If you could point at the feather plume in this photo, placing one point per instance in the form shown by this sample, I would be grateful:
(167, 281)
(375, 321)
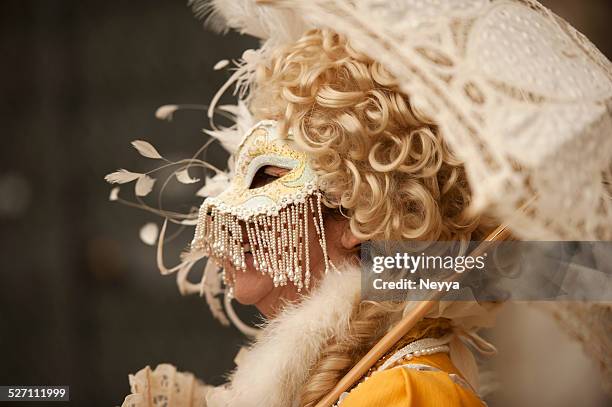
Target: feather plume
(205, 10)
(144, 185)
(165, 112)
(183, 177)
(248, 17)
(122, 177)
(230, 137)
(214, 186)
(146, 149)
(221, 64)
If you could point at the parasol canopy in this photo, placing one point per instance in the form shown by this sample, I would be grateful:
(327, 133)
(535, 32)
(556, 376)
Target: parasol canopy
(522, 97)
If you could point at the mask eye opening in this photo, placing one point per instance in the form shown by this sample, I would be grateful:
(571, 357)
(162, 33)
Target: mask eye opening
(267, 174)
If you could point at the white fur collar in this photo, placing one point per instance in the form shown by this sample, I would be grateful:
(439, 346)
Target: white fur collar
(272, 372)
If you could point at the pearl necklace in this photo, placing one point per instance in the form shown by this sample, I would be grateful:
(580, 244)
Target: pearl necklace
(422, 347)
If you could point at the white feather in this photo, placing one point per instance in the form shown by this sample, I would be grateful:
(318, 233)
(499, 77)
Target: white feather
(248, 17)
(165, 112)
(214, 186)
(146, 149)
(183, 177)
(144, 185)
(122, 176)
(221, 64)
(229, 137)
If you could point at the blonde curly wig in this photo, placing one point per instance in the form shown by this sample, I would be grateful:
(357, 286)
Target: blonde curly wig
(380, 160)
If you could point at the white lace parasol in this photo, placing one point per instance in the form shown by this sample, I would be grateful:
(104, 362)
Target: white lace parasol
(520, 95)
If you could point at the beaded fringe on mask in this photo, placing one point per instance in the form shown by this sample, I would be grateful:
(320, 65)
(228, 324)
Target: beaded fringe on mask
(279, 242)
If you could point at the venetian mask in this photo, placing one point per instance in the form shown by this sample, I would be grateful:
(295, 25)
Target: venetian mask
(270, 221)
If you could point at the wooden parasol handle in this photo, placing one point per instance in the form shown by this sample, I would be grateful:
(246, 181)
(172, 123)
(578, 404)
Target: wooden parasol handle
(401, 329)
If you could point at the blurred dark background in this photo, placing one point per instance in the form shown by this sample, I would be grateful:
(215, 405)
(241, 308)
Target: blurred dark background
(81, 301)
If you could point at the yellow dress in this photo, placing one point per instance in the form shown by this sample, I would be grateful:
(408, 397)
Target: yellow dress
(440, 385)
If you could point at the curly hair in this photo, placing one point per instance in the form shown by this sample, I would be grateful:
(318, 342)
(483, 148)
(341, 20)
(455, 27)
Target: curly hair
(380, 160)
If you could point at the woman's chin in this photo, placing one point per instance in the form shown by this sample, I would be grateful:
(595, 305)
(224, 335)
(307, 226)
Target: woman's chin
(250, 286)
